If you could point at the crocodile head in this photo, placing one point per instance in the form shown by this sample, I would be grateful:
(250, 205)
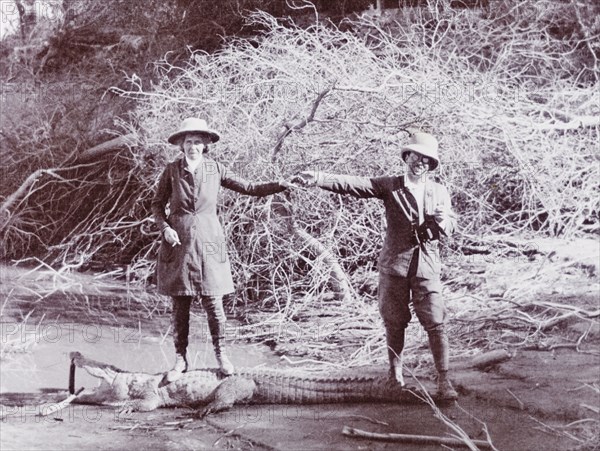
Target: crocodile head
(116, 386)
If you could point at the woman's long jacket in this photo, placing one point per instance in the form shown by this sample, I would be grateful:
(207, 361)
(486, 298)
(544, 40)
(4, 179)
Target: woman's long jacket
(199, 265)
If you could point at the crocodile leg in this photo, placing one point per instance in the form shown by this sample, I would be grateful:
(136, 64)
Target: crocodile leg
(233, 390)
(146, 404)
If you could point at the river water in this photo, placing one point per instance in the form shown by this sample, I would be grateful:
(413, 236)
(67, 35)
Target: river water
(37, 358)
(45, 315)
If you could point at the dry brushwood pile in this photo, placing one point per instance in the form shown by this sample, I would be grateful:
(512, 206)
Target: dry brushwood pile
(509, 92)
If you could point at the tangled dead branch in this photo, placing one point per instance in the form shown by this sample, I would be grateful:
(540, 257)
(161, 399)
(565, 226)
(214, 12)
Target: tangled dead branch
(325, 99)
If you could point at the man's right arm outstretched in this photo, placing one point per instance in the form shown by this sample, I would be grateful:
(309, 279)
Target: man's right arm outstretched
(363, 187)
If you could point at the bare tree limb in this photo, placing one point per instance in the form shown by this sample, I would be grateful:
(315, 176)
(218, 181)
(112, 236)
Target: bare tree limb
(574, 124)
(86, 156)
(409, 438)
(588, 38)
(101, 149)
(26, 186)
(289, 128)
(338, 277)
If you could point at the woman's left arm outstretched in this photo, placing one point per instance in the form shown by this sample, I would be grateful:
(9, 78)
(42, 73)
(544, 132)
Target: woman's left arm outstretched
(236, 183)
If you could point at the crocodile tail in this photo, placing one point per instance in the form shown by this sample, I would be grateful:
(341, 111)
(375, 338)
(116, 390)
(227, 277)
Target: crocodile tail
(282, 388)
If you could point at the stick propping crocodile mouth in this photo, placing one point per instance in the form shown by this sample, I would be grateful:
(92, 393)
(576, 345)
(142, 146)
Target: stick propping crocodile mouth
(95, 368)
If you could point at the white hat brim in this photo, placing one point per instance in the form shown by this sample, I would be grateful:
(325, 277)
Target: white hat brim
(214, 136)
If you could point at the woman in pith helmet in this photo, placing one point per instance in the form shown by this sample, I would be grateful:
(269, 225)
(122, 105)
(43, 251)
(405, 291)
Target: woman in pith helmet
(192, 259)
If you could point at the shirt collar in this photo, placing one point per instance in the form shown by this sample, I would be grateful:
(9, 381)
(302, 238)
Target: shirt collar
(191, 165)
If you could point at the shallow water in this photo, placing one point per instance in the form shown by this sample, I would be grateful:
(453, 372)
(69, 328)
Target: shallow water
(44, 362)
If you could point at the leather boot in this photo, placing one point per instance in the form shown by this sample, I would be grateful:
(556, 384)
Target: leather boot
(396, 368)
(438, 342)
(225, 365)
(181, 329)
(216, 325)
(395, 344)
(445, 390)
(180, 367)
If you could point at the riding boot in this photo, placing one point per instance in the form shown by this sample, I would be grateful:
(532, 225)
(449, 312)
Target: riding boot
(181, 329)
(438, 342)
(395, 344)
(213, 305)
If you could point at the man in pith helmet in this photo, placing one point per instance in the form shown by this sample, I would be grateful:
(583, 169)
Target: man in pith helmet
(418, 213)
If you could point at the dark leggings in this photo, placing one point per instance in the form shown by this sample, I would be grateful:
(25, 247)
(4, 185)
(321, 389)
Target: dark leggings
(213, 305)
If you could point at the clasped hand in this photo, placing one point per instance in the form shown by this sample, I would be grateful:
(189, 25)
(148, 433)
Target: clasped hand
(305, 179)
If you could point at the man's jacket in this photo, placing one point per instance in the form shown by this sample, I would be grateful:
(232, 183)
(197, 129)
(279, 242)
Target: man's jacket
(399, 248)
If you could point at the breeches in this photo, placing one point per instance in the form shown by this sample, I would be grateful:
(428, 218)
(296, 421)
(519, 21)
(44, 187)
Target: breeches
(396, 294)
